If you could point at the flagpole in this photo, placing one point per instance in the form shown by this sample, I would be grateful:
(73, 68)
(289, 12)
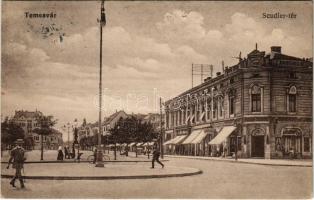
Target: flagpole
(99, 160)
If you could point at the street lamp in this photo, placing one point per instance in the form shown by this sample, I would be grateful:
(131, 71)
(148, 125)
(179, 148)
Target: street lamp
(99, 161)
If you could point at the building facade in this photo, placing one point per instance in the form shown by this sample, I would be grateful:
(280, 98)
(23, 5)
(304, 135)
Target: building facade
(260, 107)
(28, 122)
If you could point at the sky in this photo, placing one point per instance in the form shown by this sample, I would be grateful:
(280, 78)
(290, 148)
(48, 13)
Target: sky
(148, 50)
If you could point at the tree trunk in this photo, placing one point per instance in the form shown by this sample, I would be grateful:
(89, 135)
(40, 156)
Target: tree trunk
(41, 148)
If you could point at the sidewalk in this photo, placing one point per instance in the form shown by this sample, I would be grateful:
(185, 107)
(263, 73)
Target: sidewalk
(86, 171)
(274, 162)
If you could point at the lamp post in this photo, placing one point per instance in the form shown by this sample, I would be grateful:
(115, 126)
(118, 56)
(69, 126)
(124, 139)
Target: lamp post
(99, 161)
(75, 137)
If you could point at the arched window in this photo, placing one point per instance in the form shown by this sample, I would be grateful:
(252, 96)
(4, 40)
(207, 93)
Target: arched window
(292, 99)
(256, 99)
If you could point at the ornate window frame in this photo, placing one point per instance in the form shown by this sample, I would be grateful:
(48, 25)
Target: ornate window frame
(254, 87)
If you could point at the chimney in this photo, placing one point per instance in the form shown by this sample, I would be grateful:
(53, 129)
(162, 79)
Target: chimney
(223, 66)
(218, 73)
(275, 49)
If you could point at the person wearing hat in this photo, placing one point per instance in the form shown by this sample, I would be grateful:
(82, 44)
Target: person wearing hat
(18, 158)
(156, 155)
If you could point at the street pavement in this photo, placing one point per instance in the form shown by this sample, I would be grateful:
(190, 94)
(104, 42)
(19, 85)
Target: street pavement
(280, 162)
(219, 180)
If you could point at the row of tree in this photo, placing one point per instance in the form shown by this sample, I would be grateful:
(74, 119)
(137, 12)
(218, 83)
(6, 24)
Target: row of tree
(10, 132)
(126, 130)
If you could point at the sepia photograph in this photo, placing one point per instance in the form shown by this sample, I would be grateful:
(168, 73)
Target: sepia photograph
(156, 99)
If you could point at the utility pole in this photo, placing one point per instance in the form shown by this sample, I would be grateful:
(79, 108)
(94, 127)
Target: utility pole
(99, 160)
(161, 132)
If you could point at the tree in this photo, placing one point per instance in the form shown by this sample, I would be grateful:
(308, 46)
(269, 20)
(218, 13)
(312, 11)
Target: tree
(29, 142)
(45, 128)
(10, 132)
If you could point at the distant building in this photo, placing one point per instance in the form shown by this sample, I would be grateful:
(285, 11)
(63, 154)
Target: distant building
(263, 104)
(91, 129)
(110, 122)
(154, 119)
(28, 122)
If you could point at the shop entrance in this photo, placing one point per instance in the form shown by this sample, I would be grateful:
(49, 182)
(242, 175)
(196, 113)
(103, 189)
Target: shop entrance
(258, 146)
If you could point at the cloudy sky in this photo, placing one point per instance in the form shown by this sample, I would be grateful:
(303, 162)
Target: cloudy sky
(148, 49)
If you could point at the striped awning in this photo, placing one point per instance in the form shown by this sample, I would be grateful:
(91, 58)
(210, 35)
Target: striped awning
(199, 137)
(179, 139)
(169, 141)
(191, 137)
(222, 135)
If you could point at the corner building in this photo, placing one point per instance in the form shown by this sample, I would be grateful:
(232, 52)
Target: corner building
(260, 107)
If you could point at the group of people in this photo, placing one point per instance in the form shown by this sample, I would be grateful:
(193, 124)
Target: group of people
(17, 159)
(68, 153)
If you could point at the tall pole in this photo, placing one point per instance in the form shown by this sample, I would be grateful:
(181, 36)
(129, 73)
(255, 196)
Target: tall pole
(161, 133)
(99, 161)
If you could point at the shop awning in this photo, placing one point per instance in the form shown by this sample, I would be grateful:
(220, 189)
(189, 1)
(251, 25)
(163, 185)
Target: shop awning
(139, 144)
(132, 144)
(222, 135)
(191, 137)
(199, 138)
(179, 139)
(169, 141)
(150, 143)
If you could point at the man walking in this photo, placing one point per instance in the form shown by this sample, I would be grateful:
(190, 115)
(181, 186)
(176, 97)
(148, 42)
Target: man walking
(18, 158)
(156, 155)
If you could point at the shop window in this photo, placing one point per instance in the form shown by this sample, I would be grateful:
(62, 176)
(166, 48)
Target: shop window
(239, 143)
(306, 144)
(278, 144)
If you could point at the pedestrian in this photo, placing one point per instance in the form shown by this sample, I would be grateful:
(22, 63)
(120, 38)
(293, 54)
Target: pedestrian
(73, 151)
(95, 155)
(156, 155)
(66, 152)
(17, 157)
(60, 153)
